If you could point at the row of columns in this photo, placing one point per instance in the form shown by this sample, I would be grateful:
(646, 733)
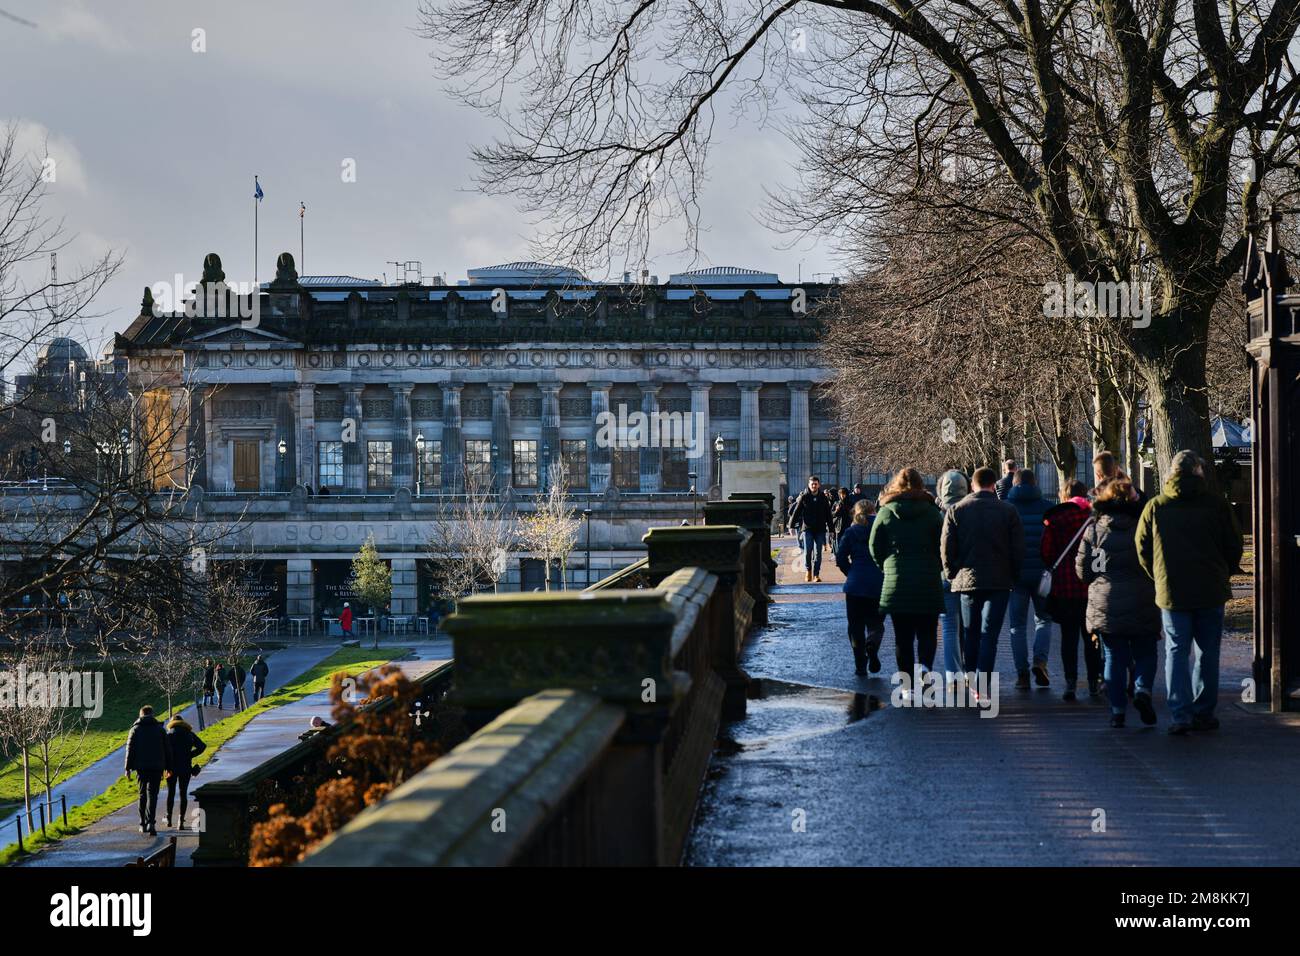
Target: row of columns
(295, 425)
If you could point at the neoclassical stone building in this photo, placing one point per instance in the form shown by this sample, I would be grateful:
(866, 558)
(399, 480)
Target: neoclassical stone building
(335, 407)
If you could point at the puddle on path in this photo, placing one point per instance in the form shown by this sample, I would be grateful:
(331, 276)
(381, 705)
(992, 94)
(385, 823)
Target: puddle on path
(780, 712)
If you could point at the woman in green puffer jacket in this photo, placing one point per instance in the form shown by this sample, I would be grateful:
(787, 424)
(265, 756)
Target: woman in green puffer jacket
(905, 544)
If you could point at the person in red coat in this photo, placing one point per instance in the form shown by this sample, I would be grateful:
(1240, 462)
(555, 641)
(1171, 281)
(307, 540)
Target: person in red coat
(345, 620)
(1068, 602)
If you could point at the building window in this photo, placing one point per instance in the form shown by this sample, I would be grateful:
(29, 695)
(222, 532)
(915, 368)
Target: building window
(329, 464)
(573, 452)
(431, 466)
(478, 463)
(676, 468)
(825, 461)
(379, 465)
(775, 449)
(731, 449)
(626, 468)
(523, 464)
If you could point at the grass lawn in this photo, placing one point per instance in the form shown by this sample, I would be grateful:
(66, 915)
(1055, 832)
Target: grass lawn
(354, 660)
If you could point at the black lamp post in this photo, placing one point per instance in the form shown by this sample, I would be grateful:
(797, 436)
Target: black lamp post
(282, 448)
(419, 464)
(694, 509)
(586, 516)
(718, 446)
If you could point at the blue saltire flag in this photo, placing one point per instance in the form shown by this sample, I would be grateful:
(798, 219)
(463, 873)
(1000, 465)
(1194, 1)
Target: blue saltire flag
(257, 189)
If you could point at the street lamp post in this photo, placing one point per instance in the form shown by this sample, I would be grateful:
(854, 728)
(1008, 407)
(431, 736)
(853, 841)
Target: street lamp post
(419, 464)
(694, 504)
(586, 516)
(718, 446)
(282, 448)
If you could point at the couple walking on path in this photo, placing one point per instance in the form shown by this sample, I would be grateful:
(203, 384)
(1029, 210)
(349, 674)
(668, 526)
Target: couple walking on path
(1112, 572)
(151, 753)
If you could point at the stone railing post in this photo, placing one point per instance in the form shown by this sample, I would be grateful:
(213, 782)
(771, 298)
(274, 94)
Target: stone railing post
(614, 644)
(720, 550)
(754, 517)
(769, 502)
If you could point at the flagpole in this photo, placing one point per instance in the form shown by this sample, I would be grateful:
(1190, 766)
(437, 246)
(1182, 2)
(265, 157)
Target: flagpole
(255, 205)
(302, 255)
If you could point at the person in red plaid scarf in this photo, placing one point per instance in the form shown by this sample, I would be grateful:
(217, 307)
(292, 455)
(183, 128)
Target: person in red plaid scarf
(1068, 602)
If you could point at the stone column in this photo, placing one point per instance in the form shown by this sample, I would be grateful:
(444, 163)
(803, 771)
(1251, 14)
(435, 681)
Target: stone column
(307, 436)
(405, 596)
(300, 590)
(550, 450)
(749, 446)
(799, 463)
(599, 455)
(403, 460)
(453, 447)
(651, 453)
(354, 451)
(286, 430)
(501, 449)
(703, 465)
(197, 429)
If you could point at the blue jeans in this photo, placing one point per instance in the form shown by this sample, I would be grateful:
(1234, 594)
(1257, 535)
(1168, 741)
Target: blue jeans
(1120, 653)
(951, 629)
(812, 543)
(982, 613)
(1018, 609)
(1194, 691)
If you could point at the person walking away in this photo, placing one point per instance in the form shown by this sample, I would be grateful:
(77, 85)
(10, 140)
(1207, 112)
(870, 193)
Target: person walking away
(1189, 544)
(259, 670)
(952, 488)
(1068, 602)
(983, 547)
(147, 758)
(1027, 498)
(1121, 599)
(862, 584)
(812, 513)
(209, 688)
(842, 516)
(183, 745)
(788, 525)
(237, 678)
(1003, 486)
(345, 621)
(904, 543)
(219, 680)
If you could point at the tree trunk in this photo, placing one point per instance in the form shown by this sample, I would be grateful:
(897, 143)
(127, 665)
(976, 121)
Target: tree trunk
(1179, 409)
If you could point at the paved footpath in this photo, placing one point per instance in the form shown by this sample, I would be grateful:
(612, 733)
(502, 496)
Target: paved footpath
(285, 665)
(1043, 783)
(116, 839)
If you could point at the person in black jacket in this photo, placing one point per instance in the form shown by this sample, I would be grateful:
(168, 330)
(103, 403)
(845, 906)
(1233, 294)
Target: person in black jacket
(209, 682)
(183, 745)
(842, 515)
(259, 672)
(237, 678)
(812, 514)
(147, 756)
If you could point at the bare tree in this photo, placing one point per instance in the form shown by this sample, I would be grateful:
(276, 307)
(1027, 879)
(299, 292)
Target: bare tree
(226, 612)
(1132, 142)
(551, 528)
(471, 538)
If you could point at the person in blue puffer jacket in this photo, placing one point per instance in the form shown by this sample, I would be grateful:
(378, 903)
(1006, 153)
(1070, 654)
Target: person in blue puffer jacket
(862, 583)
(1027, 498)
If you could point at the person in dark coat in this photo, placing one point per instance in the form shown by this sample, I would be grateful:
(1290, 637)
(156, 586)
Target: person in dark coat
(1002, 487)
(259, 671)
(209, 685)
(1190, 545)
(951, 488)
(905, 545)
(983, 547)
(812, 514)
(148, 759)
(842, 515)
(219, 680)
(183, 745)
(1068, 603)
(237, 678)
(1121, 599)
(1026, 497)
(862, 583)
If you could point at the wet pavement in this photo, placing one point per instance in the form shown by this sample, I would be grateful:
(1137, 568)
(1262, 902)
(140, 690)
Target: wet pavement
(116, 839)
(824, 771)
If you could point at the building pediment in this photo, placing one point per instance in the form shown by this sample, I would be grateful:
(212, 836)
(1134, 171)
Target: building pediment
(238, 333)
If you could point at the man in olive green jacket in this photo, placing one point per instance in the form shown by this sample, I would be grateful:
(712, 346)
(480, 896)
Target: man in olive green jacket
(1189, 543)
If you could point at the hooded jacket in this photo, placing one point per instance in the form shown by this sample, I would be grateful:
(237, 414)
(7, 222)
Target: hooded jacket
(1189, 543)
(904, 543)
(1121, 597)
(1029, 502)
(952, 488)
(983, 543)
(146, 747)
(862, 578)
(183, 745)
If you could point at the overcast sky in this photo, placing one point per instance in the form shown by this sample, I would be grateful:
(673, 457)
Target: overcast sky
(157, 145)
